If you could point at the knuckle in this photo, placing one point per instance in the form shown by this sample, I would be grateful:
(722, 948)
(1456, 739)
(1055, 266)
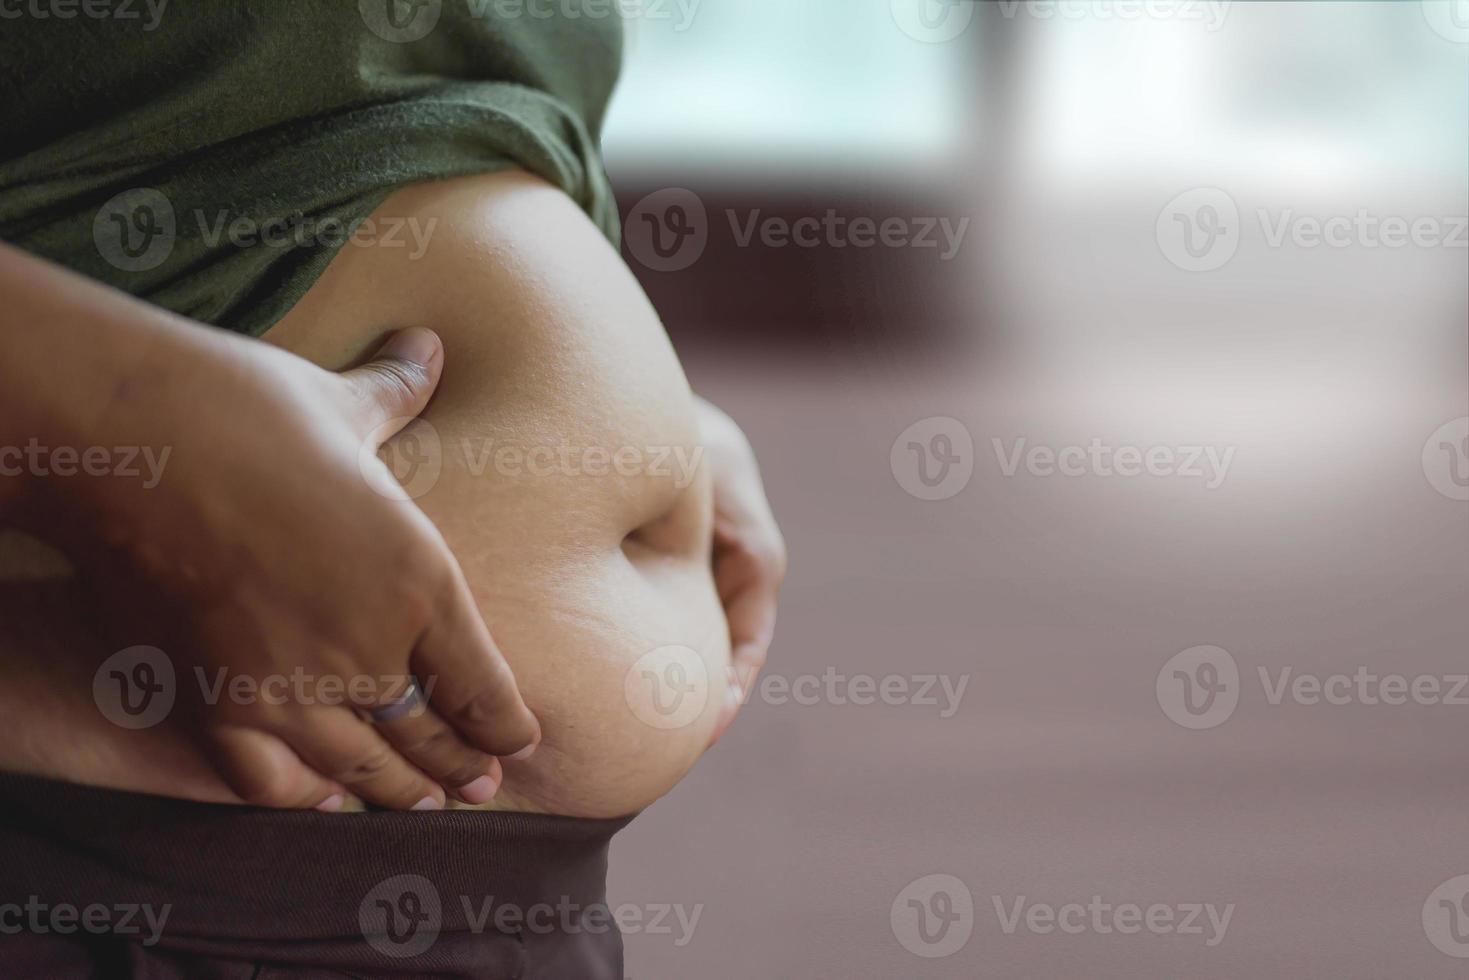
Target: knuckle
(366, 767)
(397, 379)
(499, 731)
(432, 744)
(419, 587)
(462, 775)
(267, 786)
(475, 712)
(768, 552)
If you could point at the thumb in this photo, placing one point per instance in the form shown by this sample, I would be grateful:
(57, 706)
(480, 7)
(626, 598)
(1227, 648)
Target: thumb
(396, 384)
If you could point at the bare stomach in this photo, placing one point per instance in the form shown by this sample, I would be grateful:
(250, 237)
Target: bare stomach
(560, 460)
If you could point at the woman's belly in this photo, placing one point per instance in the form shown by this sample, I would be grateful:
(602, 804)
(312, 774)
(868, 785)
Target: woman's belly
(560, 458)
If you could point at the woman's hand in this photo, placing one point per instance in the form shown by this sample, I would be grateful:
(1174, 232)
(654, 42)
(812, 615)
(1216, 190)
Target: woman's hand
(271, 546)
(749, 554)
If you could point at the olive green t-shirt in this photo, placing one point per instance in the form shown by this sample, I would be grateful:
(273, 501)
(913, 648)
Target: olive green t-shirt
(211, 156)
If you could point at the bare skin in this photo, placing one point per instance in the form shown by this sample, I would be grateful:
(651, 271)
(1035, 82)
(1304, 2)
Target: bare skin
(596, 578)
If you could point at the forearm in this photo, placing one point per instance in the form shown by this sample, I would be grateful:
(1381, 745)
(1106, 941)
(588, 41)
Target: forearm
(78, 361)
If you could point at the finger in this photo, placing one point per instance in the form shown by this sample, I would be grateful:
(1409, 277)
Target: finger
(748, 578)
(474, 689)
(347, 749)
(427, 741)
(264, 771)
(396, 385)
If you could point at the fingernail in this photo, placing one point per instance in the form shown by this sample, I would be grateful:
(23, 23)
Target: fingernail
(482, 790)
(428, 803)
(525, 753)
(416, 345)
(331, 804)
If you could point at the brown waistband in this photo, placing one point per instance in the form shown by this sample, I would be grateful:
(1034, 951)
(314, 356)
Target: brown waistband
(237, 875)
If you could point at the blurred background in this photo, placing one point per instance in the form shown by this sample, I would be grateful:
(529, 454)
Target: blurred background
(1108, 363)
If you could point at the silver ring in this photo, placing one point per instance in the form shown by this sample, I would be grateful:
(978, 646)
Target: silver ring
(405, 704)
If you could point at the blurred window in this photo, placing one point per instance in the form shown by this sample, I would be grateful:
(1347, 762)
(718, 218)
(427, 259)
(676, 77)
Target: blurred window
(785, 84)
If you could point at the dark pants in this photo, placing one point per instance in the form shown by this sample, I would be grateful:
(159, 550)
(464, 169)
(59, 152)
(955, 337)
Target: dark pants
(98, 884)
